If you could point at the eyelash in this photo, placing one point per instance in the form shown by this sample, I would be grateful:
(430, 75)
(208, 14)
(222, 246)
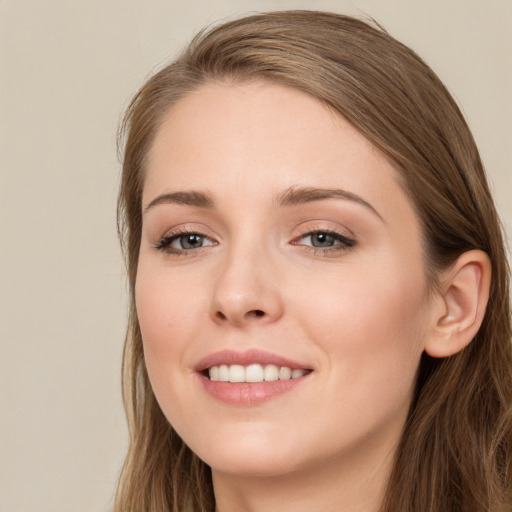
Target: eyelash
(344, 243)
(164, 244)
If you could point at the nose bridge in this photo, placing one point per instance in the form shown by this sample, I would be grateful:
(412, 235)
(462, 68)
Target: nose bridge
(246, 289)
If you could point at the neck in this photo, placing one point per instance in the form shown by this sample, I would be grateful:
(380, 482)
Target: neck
(350, 486)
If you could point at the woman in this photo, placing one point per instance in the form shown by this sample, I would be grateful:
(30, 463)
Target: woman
(319, 291)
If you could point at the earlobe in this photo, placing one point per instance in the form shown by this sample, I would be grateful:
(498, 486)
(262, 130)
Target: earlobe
(463, 297)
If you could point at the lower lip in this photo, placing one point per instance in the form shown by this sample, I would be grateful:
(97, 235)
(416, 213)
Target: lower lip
(249, 393)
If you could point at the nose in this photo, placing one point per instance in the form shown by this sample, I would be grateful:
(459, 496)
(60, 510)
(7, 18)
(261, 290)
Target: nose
(246, 290)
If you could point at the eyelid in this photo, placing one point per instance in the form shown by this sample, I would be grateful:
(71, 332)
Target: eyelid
(324, 227)
(345, 243)
(163, 243)
(336, 234)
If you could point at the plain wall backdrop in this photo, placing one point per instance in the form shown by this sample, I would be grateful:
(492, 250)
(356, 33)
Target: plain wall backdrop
(67, 70)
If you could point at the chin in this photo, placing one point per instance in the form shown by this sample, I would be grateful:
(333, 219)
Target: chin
(252, 465)
(247, 453)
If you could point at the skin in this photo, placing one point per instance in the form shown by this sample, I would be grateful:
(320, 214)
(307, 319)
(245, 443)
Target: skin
(359, 317)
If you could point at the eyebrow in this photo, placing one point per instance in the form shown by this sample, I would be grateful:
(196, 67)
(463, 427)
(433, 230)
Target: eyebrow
(296, 196)
(192, 198)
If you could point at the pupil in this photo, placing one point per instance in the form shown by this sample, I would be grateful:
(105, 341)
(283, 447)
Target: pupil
(191, 241)
(322, 240)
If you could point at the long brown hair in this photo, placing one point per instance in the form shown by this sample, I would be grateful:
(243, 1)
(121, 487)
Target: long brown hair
(455, 453)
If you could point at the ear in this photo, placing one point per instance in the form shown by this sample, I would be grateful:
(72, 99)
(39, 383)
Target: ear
(461, 301)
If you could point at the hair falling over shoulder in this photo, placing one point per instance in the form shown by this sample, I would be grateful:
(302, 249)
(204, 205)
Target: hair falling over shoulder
(456, 449)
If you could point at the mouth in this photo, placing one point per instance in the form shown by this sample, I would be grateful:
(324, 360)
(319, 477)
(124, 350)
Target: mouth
(249, 378)
(253, 373)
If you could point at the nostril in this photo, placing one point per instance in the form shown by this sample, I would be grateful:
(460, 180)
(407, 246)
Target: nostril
(253, 313)
(256, 313)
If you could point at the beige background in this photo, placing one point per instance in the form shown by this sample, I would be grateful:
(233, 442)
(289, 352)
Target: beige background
(67, 70)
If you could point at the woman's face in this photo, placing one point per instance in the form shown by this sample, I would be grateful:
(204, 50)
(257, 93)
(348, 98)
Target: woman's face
(276, 240)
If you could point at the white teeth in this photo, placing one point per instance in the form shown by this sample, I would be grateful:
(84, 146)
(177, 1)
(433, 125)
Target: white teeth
(271, 372)
(223, 372)
(253, 373)
(285, 373)
(214, 373)
(236, 373)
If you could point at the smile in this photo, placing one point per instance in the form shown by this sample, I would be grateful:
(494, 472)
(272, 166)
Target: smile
(253, 373)
(251, 377)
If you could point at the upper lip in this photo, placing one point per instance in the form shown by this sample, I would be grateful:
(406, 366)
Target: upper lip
(247, 357)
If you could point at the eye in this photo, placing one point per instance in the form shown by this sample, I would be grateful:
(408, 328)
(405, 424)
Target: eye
(321, 239)
(189, 241)
(179, 243)
(325, 240)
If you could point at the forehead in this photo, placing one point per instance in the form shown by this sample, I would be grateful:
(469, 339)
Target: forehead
(256, 139)
(252, 126)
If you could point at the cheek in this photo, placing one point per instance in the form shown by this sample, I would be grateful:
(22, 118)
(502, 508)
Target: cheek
(364, 296)
(167, 316)
(373, 340)
(372, 334)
